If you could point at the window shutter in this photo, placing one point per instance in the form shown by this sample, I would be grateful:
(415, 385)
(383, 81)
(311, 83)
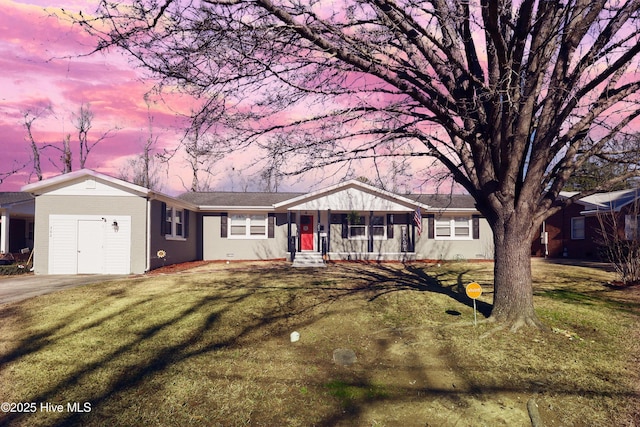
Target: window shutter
(430, 226)
(186, 223)
(223, 225)
(271, 225)
(389, 226)
(163, 214)
(475, 226)
(345, 226)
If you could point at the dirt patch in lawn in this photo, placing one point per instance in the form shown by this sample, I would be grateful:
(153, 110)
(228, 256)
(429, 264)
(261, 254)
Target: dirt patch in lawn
(377, 345)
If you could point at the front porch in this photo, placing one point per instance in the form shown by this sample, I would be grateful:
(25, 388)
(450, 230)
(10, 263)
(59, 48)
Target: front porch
(351, 236)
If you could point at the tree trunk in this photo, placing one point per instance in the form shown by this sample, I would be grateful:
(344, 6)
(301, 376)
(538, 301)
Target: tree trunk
(513, 290)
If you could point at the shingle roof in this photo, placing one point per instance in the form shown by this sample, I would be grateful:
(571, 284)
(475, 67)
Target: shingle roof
(444, 201)
(226, 198)
(11, 197)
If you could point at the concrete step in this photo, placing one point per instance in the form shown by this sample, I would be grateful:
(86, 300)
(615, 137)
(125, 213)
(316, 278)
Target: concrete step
(308, 259)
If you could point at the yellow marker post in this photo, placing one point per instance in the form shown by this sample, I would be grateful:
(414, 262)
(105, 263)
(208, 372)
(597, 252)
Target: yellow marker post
(474, 290)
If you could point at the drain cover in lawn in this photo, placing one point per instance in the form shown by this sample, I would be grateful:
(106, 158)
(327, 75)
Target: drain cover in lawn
(344, 356)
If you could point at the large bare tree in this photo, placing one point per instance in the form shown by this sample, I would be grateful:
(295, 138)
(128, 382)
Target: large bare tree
(510, 96)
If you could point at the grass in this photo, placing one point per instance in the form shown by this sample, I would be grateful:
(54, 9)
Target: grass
(211, 346)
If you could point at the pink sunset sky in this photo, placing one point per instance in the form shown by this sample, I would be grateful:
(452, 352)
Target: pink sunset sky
(42, 63)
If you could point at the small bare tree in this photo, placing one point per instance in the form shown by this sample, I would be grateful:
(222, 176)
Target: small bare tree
(66, 155)
(30, 116)
(83, 122)
(63, 163)
(203, 148)
(144, 170)
(619, 240)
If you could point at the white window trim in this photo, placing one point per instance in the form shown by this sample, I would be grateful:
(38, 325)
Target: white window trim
(248, 235)
(574, 220)
(367, 227)
(174, 216)
(452, 228)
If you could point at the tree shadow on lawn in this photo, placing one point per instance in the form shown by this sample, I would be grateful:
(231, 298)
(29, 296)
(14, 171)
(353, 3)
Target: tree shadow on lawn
(132, 367)
(198, 341)
(385, 279)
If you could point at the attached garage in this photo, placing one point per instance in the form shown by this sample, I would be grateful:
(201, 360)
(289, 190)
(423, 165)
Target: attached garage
(90, 223)
(89, 244)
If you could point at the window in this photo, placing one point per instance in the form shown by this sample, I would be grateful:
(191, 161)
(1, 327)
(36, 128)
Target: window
(453, 228)
(252, 226)
(238, 225)
(174, 223)
(443, 227)
(359, 226)
(378, 227)
(257, 225)
(577, 228)
(177, 219)
(462, 227)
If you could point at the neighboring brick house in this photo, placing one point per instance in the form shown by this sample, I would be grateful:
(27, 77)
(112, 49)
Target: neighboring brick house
(576, 231)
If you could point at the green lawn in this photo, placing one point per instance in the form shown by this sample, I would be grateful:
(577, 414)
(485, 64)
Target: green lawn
(211, 347)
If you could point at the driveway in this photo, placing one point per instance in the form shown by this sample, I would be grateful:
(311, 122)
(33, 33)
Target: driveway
(17, 288)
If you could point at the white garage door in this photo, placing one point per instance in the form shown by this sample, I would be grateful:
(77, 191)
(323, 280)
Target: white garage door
(89, 244)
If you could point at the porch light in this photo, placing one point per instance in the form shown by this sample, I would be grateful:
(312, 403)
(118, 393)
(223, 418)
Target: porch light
(115, 226)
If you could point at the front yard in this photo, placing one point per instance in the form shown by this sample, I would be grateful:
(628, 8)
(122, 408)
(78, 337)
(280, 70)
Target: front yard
(211, 346)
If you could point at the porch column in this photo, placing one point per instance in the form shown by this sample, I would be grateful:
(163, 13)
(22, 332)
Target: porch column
(4, 232)
(412, 235)
(370, 233)
(328, 230)
(289, 245)
(318, 233)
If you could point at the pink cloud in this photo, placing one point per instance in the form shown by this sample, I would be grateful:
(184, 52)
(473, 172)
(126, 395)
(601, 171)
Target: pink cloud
(42, 63)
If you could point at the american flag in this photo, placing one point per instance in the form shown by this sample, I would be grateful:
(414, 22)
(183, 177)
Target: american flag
(417, 219)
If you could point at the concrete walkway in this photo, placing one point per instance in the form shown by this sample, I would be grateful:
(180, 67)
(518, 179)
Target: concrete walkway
(18, 288)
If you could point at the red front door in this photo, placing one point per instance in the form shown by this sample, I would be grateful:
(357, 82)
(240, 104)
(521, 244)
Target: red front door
(306, 232)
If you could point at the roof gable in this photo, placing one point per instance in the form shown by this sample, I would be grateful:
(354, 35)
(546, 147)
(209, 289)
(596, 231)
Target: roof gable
(85, 182)
(351, 196)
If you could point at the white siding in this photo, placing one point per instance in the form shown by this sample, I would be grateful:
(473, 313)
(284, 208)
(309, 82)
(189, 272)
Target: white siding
(118, 246)
(63, 249)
